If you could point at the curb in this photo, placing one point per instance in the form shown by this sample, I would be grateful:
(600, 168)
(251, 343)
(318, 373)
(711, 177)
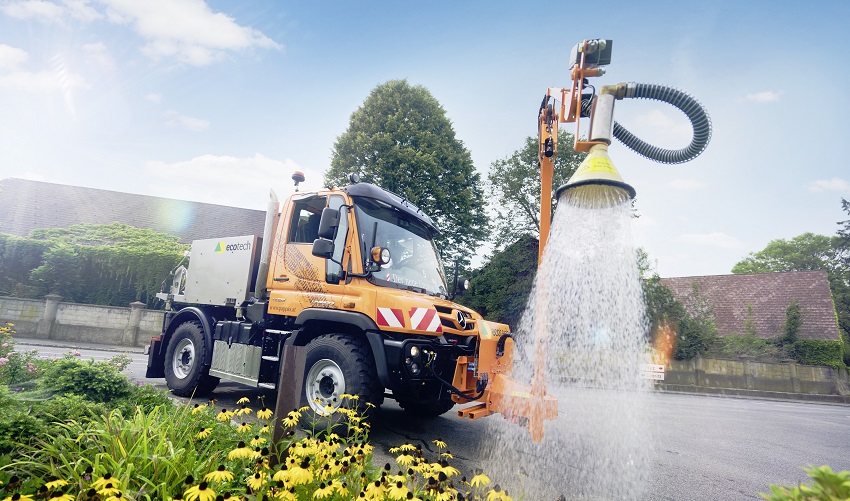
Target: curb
(71, 345)
(754, 394)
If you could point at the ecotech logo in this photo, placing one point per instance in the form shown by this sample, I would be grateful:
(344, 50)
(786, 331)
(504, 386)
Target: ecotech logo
(223, 247)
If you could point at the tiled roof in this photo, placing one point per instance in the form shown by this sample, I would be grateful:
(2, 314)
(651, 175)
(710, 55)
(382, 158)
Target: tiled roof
(26, 205)
(770, 294)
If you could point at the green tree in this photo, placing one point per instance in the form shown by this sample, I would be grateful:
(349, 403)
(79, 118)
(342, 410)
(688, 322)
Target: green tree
(793, 322)
(697, 330)
(514, 188)
(500, 288)
(401, 140)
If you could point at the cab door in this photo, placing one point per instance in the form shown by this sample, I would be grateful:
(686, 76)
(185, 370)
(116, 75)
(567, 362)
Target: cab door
(300, 279)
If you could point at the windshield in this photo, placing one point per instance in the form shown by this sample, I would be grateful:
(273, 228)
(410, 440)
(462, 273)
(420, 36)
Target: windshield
(414, 261)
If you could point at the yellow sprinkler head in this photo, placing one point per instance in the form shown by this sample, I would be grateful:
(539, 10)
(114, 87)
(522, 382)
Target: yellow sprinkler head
(596, 184)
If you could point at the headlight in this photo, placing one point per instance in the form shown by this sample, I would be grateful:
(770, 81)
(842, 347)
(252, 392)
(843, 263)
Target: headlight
(414, 369)
(414, 351)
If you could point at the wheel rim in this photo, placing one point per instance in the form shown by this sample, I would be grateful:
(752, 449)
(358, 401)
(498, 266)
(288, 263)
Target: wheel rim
(184, 359)
(324, 386)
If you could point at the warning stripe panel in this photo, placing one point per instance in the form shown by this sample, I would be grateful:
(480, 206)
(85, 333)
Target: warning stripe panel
(425, 319)
(390, 317)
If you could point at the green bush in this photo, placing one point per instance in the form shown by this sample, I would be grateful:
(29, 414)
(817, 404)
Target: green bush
(96, 381)
(827, 486)
(818, 352)
(747, 345)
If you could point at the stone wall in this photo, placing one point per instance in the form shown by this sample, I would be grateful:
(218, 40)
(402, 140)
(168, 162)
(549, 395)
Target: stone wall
(51, 318)
(745, 377)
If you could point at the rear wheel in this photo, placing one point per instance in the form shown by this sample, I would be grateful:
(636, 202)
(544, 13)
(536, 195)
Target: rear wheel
(427, 409)
(184, 362)
(338, 364)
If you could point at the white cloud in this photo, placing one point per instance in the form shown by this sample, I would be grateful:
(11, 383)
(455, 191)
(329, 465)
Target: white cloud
(42, 81)
(186, 30)
(174, 119)
(11, 57)
(227, 180)
(686, 185)
(81, 10)
(38, 10)
(834, 184)
(715, 239)
(154, 98)
(98, 54)
(768, 96)
(663, 127)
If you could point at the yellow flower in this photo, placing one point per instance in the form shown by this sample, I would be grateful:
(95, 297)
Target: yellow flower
(220, 475)
(447, 455)
(479, 480)
(407, 447)
(224, 416)
(498, 495)
(264, 413)
(375, 489)
(102, 481)
(256, 481)
(281, 475)
(405, 460)
(109, 489)
(291, 419)
(346, 396)
(244, 427)
(286, 495)
(258, 441)
(55, 483)
(445, 495)
(323, 491)
(445, 468)
(63, 497)
(340, 487)
(265, 429)
(300, 475)
(439, 443)
(244, 410)
(204, 433)
(198, 408)
(18, 497)
(243, 400)
(200, 492)
(398, 491)
(240, 452)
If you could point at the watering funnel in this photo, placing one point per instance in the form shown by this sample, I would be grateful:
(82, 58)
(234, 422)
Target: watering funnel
(596, 183)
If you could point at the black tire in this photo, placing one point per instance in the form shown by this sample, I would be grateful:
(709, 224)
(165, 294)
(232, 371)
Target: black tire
(337, 364)
(427, 409)
(185, 373)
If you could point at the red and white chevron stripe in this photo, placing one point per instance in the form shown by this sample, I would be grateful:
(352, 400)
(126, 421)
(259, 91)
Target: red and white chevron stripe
(390, 317)
(425, 319)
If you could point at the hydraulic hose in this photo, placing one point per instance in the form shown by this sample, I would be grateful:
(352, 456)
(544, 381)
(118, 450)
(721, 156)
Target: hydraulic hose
(699, 118)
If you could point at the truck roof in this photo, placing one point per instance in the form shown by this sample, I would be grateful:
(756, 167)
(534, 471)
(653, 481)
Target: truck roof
(400, 203)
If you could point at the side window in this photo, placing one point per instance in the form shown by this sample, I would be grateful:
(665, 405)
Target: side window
(333, 271)
(304, 227)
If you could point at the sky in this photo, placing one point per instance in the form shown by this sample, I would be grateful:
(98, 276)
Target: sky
(220, 101)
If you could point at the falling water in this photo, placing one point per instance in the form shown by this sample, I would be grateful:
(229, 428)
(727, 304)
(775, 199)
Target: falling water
(587, 306)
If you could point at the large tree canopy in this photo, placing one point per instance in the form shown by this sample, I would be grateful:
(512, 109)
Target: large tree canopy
(514, 187)
(401, 140)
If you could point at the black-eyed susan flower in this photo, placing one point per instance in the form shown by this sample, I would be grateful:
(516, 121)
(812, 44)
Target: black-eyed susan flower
(198, 408)
(243, 400)
(200, 492)
(341, 488)
(244, 428)
(397, 491)
(257, 481)
(497, 494)
(258, 441)
(286, 495)
(244, 410)
(224, 415)
(300, 474)
(18, 497)
(449, 471)
(219, 475)
(439, 443)
(291, 418)
(109, 489)
(203, 433)
(265, 429)
(404, 459)
(264, 413)
(53, 484)
(323, 491)
(60, 496)
(102, 481)
(447, 455)
(240, 452)
(479, 480)
(281, 475)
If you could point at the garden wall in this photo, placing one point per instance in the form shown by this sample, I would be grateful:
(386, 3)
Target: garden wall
(52, 319)
(745, 377)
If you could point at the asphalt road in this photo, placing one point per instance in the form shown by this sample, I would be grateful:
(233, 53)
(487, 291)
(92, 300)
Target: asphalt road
(683, 447)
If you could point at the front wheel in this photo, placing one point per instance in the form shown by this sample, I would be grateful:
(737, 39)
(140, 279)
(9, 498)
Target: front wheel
(185, 374)
(337, 365)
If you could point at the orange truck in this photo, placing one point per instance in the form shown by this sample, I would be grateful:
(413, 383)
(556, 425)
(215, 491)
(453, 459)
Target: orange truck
(353, 276)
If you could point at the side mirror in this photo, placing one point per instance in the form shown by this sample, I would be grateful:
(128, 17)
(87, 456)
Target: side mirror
(328, 224)
(323, 247)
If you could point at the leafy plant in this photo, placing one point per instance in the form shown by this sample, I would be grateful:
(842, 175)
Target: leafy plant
(697, 330)
(96, 381)
(793, 322)
(818, 352)
(827, 485)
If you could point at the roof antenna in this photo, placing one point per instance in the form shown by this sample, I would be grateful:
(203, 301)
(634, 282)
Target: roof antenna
(298, 177)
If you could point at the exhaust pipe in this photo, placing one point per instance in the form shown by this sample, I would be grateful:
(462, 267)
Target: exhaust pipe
(272, 216)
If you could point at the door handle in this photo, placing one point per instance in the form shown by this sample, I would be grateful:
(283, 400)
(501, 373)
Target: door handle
(281, 279)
